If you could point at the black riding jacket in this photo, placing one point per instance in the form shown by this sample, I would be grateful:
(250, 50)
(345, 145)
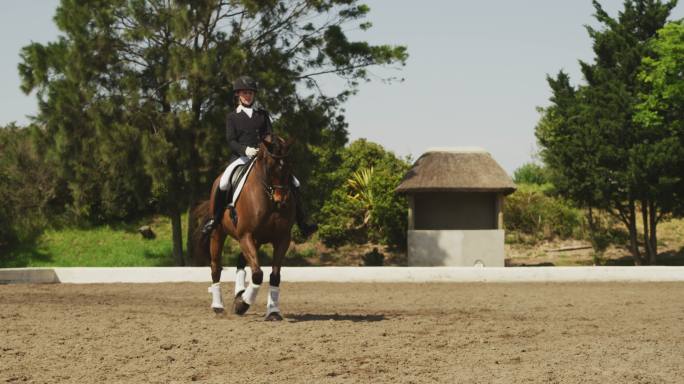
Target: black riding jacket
(243, 131)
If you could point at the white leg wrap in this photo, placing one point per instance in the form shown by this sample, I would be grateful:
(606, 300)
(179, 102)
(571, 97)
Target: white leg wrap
(251, 293)
(273, 299)
(216, 299)
(240, 281)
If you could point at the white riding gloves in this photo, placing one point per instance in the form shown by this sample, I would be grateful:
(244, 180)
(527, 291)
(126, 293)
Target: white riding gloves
(251, 151)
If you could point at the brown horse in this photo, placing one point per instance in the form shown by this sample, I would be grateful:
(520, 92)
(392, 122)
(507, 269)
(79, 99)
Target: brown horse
(265, 214)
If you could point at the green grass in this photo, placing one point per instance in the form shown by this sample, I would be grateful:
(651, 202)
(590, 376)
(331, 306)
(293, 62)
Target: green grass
(118, 245)
(114, 245)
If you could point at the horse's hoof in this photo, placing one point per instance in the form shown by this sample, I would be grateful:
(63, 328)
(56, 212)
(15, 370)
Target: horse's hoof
(239, 306)
(274, 316)
(218, 311)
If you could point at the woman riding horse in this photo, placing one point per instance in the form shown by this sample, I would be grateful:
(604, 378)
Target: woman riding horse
(266, 214)
(245, 127)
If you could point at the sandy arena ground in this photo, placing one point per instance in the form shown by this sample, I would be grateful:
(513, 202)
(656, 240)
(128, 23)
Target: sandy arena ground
(345, 333)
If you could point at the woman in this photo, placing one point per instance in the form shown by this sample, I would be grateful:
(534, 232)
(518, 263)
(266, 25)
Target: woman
(245, 128)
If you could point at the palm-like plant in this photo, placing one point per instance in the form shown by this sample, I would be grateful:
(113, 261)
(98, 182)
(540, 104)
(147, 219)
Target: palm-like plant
(360, 186)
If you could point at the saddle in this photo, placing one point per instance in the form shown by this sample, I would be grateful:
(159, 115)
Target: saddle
(236, 181)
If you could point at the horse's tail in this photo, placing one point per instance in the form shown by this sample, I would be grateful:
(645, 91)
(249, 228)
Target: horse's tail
(199, 242)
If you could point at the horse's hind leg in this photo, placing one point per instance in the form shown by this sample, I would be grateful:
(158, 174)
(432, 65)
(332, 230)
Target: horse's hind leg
(248, 297)
(215, 248)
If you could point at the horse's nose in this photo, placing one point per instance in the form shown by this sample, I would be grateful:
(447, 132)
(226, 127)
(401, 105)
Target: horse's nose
(278, 197)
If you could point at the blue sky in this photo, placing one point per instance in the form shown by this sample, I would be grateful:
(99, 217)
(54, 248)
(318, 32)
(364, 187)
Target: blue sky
(476, 73)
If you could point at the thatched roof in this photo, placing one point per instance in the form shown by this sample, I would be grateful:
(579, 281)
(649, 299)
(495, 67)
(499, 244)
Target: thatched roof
(456, 170)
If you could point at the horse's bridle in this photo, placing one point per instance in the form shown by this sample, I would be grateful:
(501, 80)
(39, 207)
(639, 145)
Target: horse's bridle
(272, 188)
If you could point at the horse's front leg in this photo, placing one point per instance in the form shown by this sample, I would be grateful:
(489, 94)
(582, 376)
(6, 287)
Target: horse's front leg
(215, 248)
(248, 297)
(273, 304)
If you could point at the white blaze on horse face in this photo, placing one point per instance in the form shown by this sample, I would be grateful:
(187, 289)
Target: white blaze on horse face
(240, 281)
(251, 293)
(216, 299)
(273, 299)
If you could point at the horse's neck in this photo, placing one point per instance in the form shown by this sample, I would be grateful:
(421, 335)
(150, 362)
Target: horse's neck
(255, 180)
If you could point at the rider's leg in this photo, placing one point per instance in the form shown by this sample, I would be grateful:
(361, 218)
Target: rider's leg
(219, 208)
(302, 222)
(223, 190)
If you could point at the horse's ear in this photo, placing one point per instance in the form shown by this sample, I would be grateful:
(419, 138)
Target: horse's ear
(268, 139)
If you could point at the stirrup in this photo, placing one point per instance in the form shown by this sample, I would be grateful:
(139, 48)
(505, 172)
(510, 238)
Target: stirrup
(209, 226)
(233, 215)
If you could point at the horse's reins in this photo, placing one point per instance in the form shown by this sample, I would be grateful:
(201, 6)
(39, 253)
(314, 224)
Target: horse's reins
(272, 188)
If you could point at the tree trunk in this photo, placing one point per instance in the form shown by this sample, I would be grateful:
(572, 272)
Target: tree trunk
(647, 242)
(177, 235)
(193, 179)
(634, 244)
(654, 223)
(192, 227)
(593, 236)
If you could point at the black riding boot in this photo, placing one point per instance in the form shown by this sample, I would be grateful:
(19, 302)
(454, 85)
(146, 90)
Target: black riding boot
(304, 227)
(219, 208)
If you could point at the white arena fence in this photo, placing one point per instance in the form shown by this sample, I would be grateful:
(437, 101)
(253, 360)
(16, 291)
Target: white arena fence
(94, 275)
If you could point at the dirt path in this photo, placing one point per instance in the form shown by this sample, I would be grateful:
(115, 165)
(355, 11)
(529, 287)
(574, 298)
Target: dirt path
(345, 333)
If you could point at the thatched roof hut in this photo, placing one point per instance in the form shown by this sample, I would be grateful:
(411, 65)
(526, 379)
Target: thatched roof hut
(455, 200)
(456, 170)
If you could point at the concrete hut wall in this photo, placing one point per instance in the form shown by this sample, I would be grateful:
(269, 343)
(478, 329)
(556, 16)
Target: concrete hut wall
(456, 229)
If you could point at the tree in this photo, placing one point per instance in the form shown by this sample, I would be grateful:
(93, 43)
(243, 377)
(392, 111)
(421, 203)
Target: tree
(88, 141)
(588, 135)
(531, 173)
(27, 185)
(660, 120)
(158, 73)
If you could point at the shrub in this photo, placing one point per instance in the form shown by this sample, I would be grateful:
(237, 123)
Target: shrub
(531, 211)
(341, 220)
(27, 185)
(373, 258)
(531, 173)
(365, 208)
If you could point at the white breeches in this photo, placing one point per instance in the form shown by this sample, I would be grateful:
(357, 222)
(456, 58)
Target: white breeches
(225, 178)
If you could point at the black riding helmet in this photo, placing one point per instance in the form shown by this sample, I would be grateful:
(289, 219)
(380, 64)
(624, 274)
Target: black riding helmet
(244, 82)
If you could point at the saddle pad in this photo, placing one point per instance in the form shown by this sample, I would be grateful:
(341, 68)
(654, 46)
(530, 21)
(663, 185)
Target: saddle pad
(240, 175)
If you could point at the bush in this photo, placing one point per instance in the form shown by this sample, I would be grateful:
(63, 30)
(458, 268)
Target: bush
(365, 209)
(373, 258)
(531, 211)
(531, 173)
(340, 220)
(27, 185)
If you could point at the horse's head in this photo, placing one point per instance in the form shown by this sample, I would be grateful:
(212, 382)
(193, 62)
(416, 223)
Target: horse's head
(273, 154)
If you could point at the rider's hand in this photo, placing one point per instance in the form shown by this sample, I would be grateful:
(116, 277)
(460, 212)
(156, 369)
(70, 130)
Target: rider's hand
(251, 152)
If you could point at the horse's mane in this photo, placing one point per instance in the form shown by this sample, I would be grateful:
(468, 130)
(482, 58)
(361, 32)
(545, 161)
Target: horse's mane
(278, 147)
